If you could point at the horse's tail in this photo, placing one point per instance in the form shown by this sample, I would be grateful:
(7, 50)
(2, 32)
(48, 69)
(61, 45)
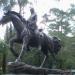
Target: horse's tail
(47, 45)
(53, 45)
(50, 44)
(57, 44)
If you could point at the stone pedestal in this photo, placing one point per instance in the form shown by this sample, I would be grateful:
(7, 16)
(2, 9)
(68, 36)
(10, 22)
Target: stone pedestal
(22, 68)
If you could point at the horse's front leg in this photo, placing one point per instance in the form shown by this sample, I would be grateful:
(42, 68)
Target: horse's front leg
(12, 41)
(24, 48)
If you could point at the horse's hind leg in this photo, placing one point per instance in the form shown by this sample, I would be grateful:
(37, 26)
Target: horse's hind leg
(43, 61)
(12, 41)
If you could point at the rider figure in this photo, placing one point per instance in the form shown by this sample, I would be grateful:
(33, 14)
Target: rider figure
(32, 20)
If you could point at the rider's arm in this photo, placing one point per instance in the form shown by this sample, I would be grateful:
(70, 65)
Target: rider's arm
(33, 18)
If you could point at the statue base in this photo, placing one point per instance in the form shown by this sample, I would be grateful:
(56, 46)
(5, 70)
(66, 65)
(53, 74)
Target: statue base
(22, 68)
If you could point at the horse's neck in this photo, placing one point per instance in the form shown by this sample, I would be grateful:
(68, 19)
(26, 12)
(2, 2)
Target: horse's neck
(23, 20)
(18, 25)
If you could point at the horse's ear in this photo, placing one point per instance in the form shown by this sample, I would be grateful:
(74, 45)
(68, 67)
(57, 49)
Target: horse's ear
(6, 12)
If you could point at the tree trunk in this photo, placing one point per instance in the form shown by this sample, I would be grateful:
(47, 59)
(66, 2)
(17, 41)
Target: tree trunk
(4, 63)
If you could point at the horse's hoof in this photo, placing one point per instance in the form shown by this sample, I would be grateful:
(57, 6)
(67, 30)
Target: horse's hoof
(9, 63)
(40, 67)
(17, 60)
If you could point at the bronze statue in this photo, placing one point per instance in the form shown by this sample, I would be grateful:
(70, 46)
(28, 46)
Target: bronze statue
(26, 36)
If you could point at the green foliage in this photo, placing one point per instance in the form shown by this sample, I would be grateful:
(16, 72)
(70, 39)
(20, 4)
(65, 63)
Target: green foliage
(3, 2)
(33, 57)
(3, 47)
(72, 10)
(60, 27)
(3, 53)
(62, 24)
(9, 33)
(22, 2)
(7, 4)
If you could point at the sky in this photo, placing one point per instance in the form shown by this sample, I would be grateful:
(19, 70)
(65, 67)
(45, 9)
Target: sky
(41, 7)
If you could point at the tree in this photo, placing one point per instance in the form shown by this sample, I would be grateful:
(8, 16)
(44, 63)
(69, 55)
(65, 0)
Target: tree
(7, 4)
(21, 4)
(10, 32)
(61, 24)
(3, 51)
(72, 15)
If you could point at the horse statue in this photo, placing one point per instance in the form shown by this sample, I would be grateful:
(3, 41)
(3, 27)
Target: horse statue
(25, 37)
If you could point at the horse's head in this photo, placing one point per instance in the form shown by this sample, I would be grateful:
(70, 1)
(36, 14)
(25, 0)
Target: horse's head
(5, 19)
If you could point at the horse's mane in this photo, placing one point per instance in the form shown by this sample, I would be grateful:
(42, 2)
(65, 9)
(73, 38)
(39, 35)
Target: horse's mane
(18, 14)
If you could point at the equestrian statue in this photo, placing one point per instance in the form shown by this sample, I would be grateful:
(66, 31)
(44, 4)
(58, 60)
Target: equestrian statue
(26, 32)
